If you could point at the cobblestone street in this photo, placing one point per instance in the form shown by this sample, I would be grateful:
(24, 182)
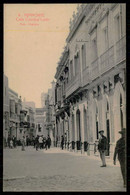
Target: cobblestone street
(56, 170)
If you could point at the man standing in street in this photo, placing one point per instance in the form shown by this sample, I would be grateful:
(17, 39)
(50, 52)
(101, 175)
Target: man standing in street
(23, 144)
(65, 140)
(120, 150)
(37, 142)
(62, 142)
(49, 142)
(40, 141)
(102, 146)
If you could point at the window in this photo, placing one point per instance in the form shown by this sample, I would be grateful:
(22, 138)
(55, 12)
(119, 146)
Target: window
(117, 28)
(83, 56)
(94, 49)
(77, 64)
(16, 109)
(105, 38)
(71, 69)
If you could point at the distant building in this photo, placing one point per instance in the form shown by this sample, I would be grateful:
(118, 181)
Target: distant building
(28, 121)
(29, 104)
(40, 121)
(43, 98)
(50, 112)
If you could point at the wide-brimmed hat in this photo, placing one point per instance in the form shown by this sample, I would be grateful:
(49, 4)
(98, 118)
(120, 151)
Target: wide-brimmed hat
(101, 131)
(123, 131)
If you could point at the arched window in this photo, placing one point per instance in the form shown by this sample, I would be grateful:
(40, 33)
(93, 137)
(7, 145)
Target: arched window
(83, 56)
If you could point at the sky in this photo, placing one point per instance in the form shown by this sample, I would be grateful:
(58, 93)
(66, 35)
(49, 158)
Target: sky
(34, 38)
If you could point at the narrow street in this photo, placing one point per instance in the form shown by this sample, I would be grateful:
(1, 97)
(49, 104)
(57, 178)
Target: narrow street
(57, 170)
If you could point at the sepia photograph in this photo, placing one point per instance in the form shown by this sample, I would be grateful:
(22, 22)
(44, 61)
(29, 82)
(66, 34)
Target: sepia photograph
(64, 97)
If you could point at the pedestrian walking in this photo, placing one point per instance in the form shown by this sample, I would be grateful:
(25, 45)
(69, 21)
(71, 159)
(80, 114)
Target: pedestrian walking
(8, 140)
(46, 143)
(62, 142)
(57, 141)
(11, 143)
(33, 141)
(23, 144)
(13, 139)
(40, 142)
(15, 142)
(102, 146)
(27, 141)
(37, 142)
(49, 142)
(120, 151)
(65, 140)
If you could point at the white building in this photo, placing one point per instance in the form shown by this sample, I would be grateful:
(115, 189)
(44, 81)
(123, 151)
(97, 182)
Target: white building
(91, 86)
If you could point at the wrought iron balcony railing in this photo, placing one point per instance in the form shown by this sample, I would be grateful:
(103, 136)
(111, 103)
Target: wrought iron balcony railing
(107, 60)
(73, 85)
(121, 49)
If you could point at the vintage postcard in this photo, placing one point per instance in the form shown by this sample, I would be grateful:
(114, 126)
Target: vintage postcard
(64, 119)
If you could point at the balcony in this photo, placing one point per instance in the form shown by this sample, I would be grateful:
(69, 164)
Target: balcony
(73, 85)
(121, 49)
(94, 69)
(107, 60)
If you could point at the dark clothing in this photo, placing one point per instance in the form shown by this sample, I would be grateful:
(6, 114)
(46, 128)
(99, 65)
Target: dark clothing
(62, 143)
(49, 142)
(102, 146)
(37, 143)
(44, 142)
(65, 141)
(102, 143)
(120, 150)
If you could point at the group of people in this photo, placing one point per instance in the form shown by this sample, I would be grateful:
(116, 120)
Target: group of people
(42, 142)
(120, 151)
(39, 142)
(12, 142)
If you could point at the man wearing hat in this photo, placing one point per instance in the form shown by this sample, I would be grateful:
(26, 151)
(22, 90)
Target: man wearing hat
(102, 146)
(120, 150)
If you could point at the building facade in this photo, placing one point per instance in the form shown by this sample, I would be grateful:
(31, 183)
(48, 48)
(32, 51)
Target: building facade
(50, 113)
(15, 106)
(43, 98)
(40, 122)
(28, 119)
(91, 85)
(6, 108)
